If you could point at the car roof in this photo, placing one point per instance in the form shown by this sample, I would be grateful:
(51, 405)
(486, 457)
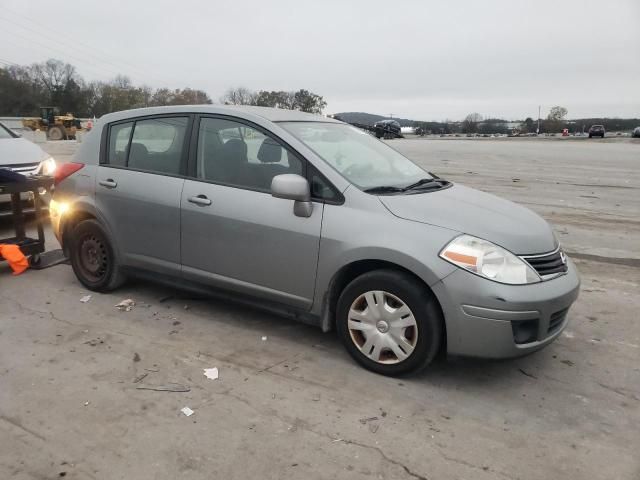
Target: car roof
(244, 111)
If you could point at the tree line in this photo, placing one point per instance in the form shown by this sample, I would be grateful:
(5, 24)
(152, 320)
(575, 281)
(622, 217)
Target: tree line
(24, 89)
(302, 100)
(555, 121)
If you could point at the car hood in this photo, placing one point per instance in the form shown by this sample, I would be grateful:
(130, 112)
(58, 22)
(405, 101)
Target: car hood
(15, 151)
(483, 215)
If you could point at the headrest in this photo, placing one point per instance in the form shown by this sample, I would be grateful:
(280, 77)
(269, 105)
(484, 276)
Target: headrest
(237, 146)
(137, 150)
(270, 151)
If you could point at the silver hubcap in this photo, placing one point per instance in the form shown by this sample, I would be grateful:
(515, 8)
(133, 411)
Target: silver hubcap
(382, 327)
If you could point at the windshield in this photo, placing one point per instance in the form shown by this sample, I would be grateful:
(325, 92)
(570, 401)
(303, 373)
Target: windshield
(5, 133)
(363, 160)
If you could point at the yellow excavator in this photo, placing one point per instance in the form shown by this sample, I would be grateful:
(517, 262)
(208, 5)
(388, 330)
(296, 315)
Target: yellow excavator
(58, 127)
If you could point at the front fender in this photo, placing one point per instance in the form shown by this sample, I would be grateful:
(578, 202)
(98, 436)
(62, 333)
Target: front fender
(347, 237)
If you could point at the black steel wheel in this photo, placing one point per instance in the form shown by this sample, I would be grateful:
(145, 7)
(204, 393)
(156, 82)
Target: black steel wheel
(93, 258)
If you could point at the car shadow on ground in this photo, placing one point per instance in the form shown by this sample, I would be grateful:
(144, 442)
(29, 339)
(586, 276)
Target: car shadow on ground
(445, 371)
(466, 374)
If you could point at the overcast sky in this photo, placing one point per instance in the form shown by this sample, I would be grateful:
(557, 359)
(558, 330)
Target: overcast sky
(426, 60)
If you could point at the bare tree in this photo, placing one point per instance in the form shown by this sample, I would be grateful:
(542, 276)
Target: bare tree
(556, 119)
(54, 74)
(238, 96)
(470, 123)
(557, 113)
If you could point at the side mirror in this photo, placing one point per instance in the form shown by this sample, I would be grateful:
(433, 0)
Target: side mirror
(293, 187)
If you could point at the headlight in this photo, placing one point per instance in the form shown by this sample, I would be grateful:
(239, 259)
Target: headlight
(488, 260)
(48, 166)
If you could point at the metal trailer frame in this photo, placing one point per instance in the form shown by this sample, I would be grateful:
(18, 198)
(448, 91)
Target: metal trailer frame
(31, 247)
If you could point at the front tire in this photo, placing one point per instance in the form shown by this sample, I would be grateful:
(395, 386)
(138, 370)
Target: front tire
(389, 322)
(93, 258)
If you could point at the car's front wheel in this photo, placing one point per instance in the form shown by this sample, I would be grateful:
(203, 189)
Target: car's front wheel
(93, 258)
(389, 322)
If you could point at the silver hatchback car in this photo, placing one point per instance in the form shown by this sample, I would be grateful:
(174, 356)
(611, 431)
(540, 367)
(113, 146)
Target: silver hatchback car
(315, 219)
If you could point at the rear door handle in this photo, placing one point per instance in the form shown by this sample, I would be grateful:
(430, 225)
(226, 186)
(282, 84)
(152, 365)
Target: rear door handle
(109, 183)
(201, 200)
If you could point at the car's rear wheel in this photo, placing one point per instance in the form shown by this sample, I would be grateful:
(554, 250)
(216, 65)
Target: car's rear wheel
(389, 322)
(93, 258)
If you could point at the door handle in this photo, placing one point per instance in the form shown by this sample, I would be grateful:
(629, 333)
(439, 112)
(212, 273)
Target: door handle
(201, 200)
(109, 183)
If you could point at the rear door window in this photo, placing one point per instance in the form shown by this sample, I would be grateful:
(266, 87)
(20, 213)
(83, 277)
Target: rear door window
(157, 145)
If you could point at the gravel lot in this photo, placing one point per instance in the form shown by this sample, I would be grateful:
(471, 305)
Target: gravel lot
(295, 405)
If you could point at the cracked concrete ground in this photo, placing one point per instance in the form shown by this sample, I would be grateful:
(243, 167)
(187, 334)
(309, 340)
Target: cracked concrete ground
(295, 405)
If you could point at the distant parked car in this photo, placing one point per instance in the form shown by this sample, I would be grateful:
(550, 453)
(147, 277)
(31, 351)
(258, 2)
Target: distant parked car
(596, 131)
(636, 132)
(21, 156)
(387, 129)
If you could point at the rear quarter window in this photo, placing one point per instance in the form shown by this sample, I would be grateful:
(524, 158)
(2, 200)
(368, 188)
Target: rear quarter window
(118, 142)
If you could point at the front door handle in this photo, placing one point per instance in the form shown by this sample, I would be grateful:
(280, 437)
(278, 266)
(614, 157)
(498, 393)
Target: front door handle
(201, 200)
(109, 183)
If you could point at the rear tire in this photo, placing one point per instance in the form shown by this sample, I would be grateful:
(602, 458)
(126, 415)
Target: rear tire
(389, 322)
(93, 258)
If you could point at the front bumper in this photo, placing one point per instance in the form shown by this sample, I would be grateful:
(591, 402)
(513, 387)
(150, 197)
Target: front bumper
(492, 320)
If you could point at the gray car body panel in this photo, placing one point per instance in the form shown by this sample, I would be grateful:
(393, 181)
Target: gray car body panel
(362, 229)
(489, 334)
(253, 243)
(477, 213)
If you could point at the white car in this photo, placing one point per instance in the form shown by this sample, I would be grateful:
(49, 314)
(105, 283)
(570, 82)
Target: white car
(22, 156)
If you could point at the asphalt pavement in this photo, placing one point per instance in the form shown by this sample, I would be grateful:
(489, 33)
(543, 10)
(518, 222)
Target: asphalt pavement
(290, 403)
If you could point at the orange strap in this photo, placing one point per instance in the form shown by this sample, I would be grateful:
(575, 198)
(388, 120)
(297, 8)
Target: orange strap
(17, 261)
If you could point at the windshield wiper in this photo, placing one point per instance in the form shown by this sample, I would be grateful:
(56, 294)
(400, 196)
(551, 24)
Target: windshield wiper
(423, 183)
(384, 189)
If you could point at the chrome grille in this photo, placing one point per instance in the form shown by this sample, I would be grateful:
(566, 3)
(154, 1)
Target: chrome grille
(22, 167)
(548, 264)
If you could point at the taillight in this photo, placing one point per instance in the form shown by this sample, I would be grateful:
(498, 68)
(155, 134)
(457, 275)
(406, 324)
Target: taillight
(64, 170)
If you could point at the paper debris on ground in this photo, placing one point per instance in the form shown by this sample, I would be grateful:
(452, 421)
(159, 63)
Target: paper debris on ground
(126, 305)
(264, 338)
(187, 411)
(367, 419)
(211, 373)
(85, 299)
